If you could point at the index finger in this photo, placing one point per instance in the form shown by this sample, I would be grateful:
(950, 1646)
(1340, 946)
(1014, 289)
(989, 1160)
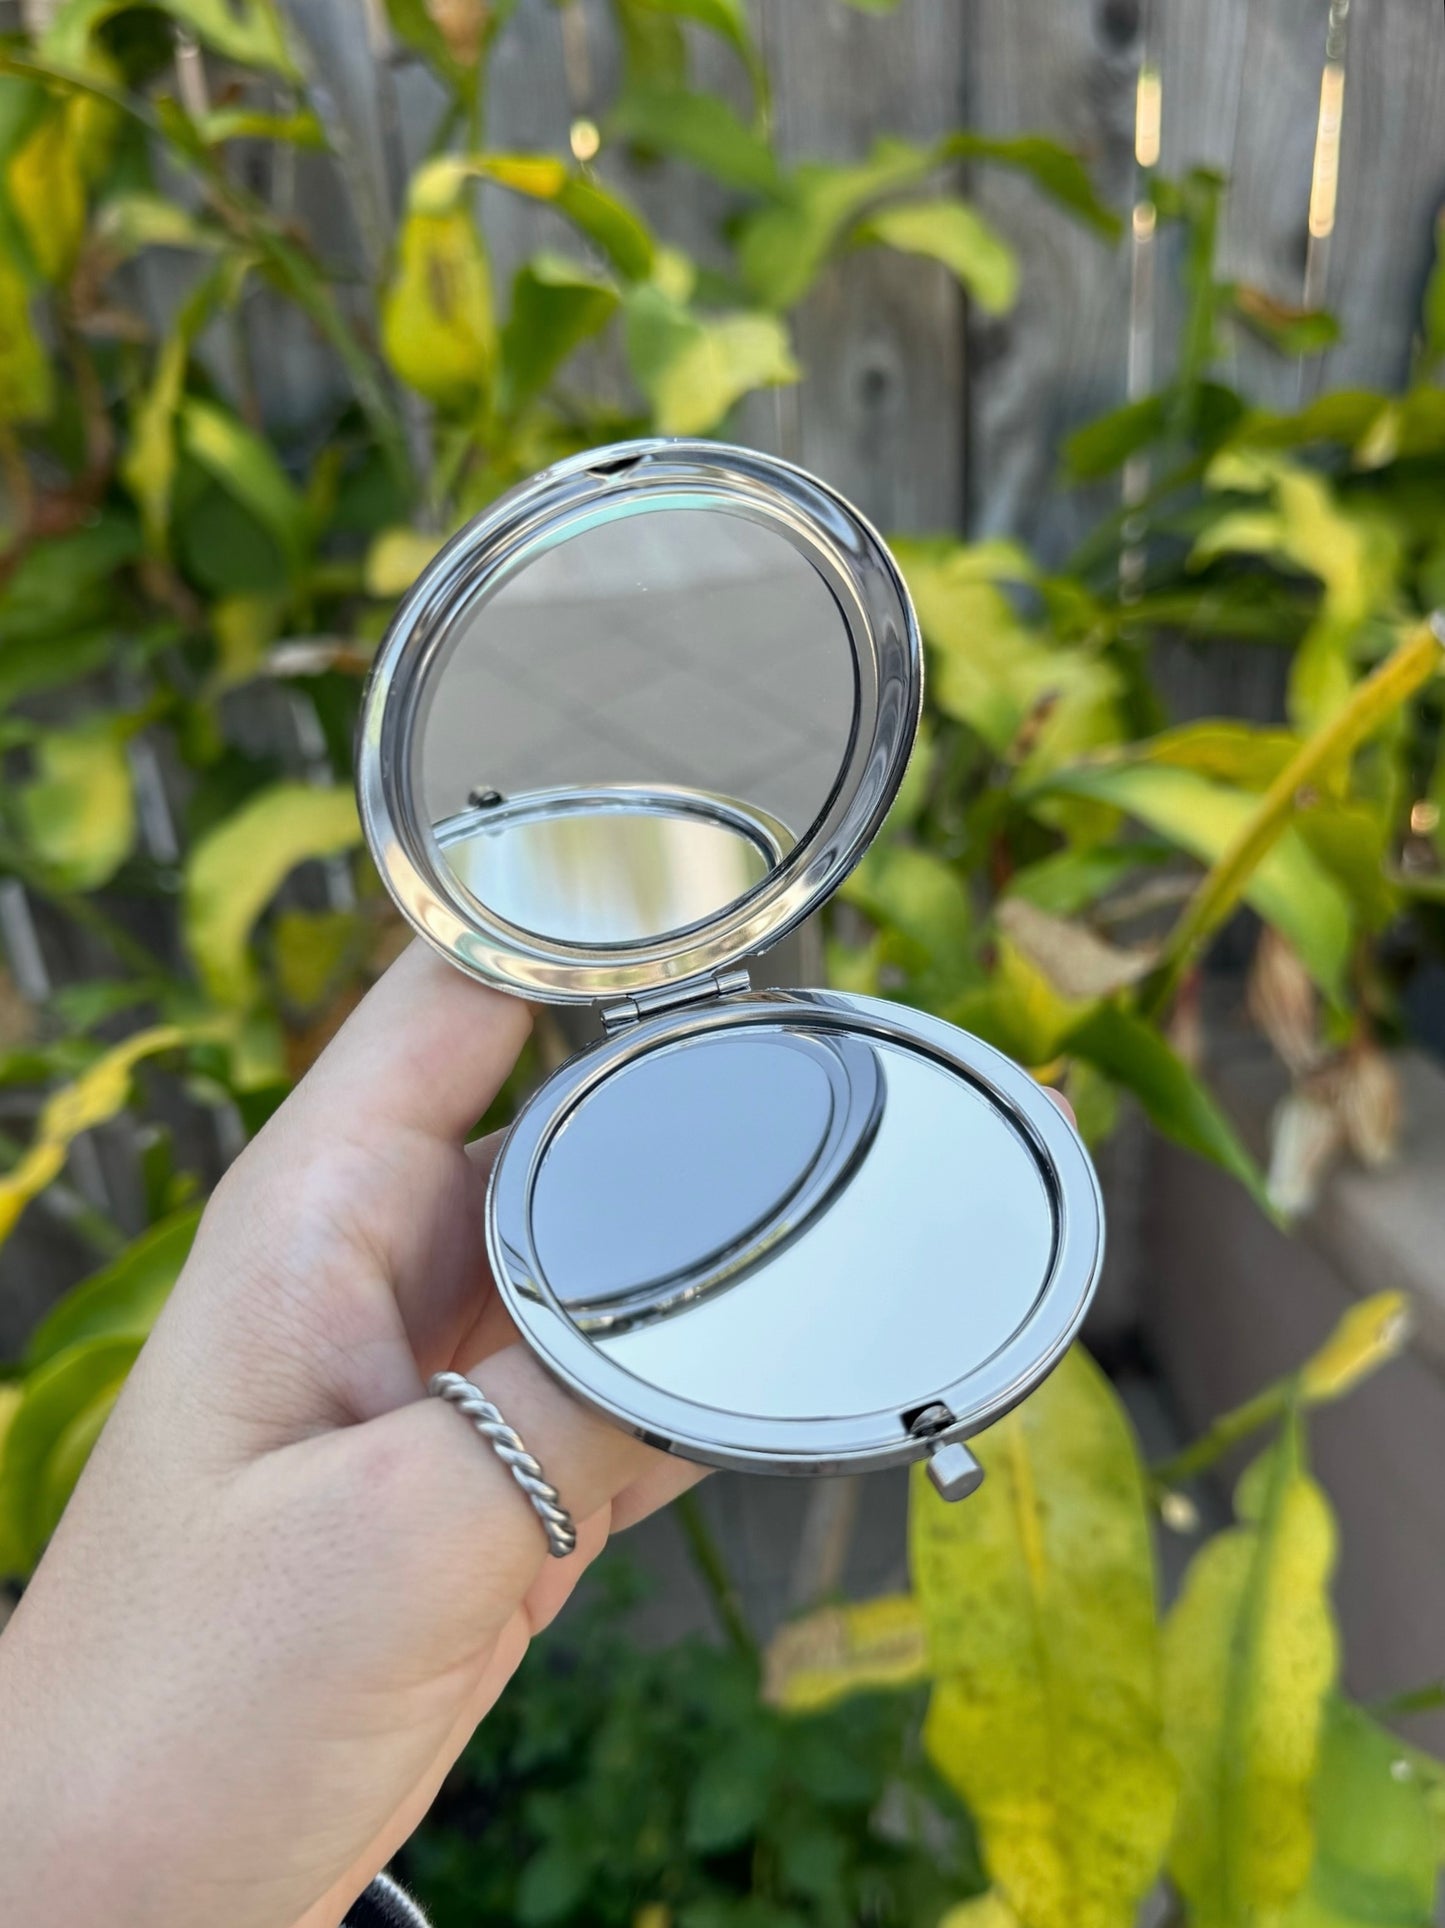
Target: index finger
(427, 1049)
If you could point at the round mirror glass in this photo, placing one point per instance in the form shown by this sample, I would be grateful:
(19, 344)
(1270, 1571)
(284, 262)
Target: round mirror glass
(632, 727)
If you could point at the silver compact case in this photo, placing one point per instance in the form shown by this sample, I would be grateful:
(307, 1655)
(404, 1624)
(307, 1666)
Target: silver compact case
(629, 728)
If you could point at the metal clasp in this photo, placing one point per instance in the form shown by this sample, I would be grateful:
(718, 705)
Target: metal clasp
(954, 1471)
(672, 997)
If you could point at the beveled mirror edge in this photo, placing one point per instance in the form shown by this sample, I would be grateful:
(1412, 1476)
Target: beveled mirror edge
(809, 1447)
(890, 698)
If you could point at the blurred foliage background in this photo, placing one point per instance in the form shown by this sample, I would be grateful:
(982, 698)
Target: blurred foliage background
(189, 598)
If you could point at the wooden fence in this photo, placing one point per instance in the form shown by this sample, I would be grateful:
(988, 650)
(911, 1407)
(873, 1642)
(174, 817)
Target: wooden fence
(928, 417)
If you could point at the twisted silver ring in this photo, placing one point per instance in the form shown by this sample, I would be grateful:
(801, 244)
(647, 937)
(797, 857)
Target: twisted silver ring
(557, 1522)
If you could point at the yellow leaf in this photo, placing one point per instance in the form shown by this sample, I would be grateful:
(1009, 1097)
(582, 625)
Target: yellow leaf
(1037, 702)
(95, 1096)
(46, 188)
(13, 1559)
(984, 1911)
(694, 367)
(1249, 1657)
(1039, 1598)
(1369, 1333)
(437, 324)
(838, 1651)
(395, 559)
(234, 873)
(78, 814)
(310, 948)
(27, 392)
(1020, 1009)
(244, 628)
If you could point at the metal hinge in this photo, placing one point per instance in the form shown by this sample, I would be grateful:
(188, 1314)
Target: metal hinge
(672, 997)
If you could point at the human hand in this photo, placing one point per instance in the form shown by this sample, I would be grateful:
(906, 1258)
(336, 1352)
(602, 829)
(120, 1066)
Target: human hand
(289, 1585)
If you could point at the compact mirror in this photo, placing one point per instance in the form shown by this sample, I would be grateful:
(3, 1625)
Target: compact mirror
(635, 725)
(629, 728)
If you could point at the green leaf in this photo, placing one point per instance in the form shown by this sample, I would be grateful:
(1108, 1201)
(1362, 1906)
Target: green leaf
(1433, 314)
(701, 129)
(552, 1883)
(728, 19)
(437, 325)
(605, 219)
(991, 670)
(27, 392)
(1020, 1010)
(414, 24)
(1106, 443)
(955, 233)
(61, 1394)
(59, 586)
(1056, 170)
(150, 463)
(244, 465)
(1073, 879)
(782, 248)
(1133, 1054)
(235, 871)
(1247, 754)
(1290, 329)
(556, 306)
(1375, 1863)
(1249, 1658)
(1354, 554)
(78, 815)
(130, 222)
(248, 31)
(1039, 1598)
(222, 124)
(1288, 887)
(731, 1794)
(311, 948)
(921, 907)
(1345, 416)
(693, 367)
(122, 1300)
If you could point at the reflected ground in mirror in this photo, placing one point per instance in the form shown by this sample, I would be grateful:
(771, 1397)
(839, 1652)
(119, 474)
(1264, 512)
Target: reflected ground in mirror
(679, 650)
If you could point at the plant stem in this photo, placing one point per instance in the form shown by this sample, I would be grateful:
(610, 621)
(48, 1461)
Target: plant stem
(1380, 693)
(712, 1570)
(1415, 1700)
(1227, 1431)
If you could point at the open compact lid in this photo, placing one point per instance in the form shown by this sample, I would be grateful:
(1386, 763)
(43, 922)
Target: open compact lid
(637, 720)
(630, 727)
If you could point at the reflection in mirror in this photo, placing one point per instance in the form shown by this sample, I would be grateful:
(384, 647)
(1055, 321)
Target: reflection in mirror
(638, 725)
(856, 1288)
(658, 1230)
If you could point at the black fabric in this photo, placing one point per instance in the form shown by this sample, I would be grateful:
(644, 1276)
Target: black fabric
(385, 1906)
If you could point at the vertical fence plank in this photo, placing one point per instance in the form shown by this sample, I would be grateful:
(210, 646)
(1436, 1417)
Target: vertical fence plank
(1068, 68)
(1392, 187)
(881, 338)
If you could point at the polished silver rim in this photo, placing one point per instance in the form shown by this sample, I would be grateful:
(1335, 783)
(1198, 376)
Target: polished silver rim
(628, 479)
(857, 1443)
